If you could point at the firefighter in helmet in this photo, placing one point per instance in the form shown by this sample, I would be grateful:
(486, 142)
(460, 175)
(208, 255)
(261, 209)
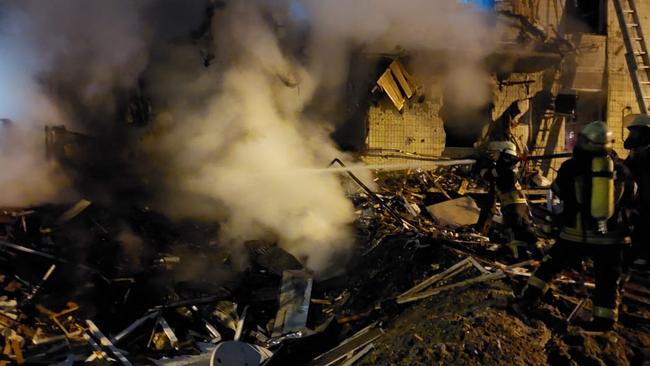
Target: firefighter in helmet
(505, 187)
(638, 161)
(595, 189)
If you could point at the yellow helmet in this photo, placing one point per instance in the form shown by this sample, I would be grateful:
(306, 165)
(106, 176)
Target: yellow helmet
(596, 136)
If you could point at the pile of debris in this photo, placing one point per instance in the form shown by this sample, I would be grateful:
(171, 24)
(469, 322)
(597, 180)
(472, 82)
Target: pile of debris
(87, 284)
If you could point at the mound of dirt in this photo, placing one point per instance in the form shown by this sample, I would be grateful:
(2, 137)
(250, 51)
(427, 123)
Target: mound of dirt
(473, 327)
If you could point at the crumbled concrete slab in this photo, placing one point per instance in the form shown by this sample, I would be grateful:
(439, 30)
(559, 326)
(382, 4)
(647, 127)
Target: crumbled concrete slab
(455, 213)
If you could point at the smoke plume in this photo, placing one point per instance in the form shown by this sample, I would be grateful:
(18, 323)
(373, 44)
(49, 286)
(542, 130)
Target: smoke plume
(241, 150)
(244, 149)
(238, 141)
(27, 177)
(444, 38)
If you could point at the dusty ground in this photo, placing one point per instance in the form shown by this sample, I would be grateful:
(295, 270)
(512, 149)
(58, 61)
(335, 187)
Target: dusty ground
(472, 327)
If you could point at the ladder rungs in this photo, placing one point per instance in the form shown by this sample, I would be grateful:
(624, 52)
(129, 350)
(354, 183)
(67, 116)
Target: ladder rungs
(642, 64)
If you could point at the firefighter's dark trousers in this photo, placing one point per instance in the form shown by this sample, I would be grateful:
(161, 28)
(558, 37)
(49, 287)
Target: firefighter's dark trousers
(640, 239)
(608, 262)
(487, 211)
(517, 219)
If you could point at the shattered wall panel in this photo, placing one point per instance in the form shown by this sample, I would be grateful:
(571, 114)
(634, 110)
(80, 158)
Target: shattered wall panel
(548, 132)
(620, 93)
(507, 94)
(590, 63)
(418, 129)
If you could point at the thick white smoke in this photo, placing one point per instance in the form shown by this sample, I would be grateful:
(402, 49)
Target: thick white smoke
(233, 142)
(60, 63)
(446, 39)
(96, 46)
(245, 151)
(27, 177)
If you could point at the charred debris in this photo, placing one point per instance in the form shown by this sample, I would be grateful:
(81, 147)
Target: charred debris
(73, 290)
(105, 283)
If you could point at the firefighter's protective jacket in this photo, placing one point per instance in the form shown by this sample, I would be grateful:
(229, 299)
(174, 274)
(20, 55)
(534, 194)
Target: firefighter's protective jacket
(506, 186)
(639, 165)
(574, 186)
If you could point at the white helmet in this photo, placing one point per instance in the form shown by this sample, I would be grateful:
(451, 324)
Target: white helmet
(506, 147)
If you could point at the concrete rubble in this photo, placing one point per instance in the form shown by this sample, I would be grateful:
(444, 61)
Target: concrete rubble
(58, 308)
(108, 277)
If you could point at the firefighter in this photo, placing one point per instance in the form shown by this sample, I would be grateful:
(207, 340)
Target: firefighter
(638, 161)
(485, 162)
(595, 188)
(505, 187)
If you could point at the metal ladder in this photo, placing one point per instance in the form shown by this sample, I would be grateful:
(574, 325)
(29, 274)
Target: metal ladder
(636, 55)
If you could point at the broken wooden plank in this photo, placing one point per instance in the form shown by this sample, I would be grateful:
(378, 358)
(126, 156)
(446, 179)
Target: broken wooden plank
(478, 266)
(359, 355)
(105, 342)
(38, 287)
(575, 310)
(98, 353)
(349, 346)
(73, 211)
(637, 288)
(402, 76)
(50, 256)
(16, 349)
(388, 84)
(169, 332)
(530, 262)
(134, 326)
(216, 336)
(434, 291)
(239, 329)
(639, 299)
(451, 271)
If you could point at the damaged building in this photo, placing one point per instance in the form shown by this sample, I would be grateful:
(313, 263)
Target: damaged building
(557, 66)
(305, 182)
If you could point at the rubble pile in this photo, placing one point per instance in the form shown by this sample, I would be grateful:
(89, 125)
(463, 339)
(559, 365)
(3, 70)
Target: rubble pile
(460, 323)
(411, 199)
(84, 283)
(78, 285)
